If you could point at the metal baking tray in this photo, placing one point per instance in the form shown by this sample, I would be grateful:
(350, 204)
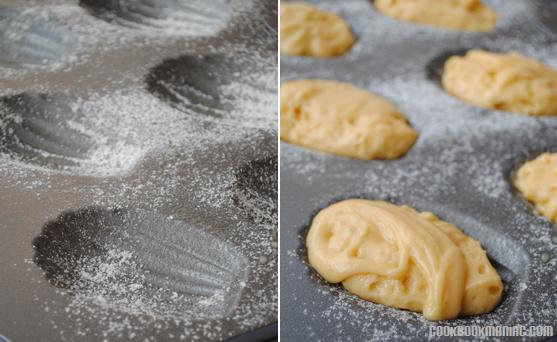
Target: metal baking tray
(460, 168)
(138, 170)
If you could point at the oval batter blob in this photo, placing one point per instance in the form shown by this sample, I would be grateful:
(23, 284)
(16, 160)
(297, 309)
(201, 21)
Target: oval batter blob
(463, 15)
(309, 31)
(537, 182)
(396, 256)
(341, 119)
(508, 82)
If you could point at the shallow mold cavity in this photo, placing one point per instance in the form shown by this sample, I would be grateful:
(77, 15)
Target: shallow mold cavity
(211, 85)
(141, 262)
(28, 41)
(256, 190)
(188, 17)
(53, 132)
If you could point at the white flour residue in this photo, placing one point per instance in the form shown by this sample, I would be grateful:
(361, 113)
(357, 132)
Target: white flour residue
(141, 151)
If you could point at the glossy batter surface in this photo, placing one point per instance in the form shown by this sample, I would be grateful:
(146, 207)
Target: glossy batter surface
(508, 82)
(308, 31)
(463, 15)
(537, 181)
(396, 256)
(342, 119)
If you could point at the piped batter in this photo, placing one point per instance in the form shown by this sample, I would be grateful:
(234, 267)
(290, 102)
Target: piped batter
(508, 82)
(396, 256)
(308, 31)
(342, 119)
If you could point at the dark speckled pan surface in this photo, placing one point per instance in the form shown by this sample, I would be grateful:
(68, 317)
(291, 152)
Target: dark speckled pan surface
(460, 168)
(138, 170)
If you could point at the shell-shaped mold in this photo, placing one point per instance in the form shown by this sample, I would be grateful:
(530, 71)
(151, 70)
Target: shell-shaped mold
(27, 41)
(53, 132)
(267, 29)
(141, 260)
(211, 85)
(256, 189)
(188, 17)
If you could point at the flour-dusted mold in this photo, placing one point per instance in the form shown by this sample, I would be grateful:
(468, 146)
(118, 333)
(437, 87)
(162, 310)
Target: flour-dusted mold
(460, 168)
(212, 85)
(53, 132)
(167, 267)
(33, 42)
(184, 17)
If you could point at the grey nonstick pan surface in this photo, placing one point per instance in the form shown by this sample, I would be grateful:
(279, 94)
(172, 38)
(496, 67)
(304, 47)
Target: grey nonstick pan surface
(460, 168)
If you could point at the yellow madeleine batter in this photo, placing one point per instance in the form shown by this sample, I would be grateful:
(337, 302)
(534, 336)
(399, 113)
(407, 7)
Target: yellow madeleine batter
(396, 256)
(508, 82)
(537, 181)
(464, 15)
(306, 30)
(341, 119)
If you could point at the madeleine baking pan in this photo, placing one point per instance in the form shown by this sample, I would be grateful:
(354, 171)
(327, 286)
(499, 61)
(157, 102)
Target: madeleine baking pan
(460, 168)
(138, 173)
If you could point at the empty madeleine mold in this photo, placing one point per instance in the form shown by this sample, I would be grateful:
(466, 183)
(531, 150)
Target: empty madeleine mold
(213, 85)
(33, 42)
(195, 17)
(141, 261)
(53, 132)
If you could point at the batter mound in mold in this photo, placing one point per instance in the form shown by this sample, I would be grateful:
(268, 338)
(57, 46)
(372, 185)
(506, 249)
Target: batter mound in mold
(463, 15)
(342, 119)
(396, 256)
(308, 31)
(537, 182)
(508, 82)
